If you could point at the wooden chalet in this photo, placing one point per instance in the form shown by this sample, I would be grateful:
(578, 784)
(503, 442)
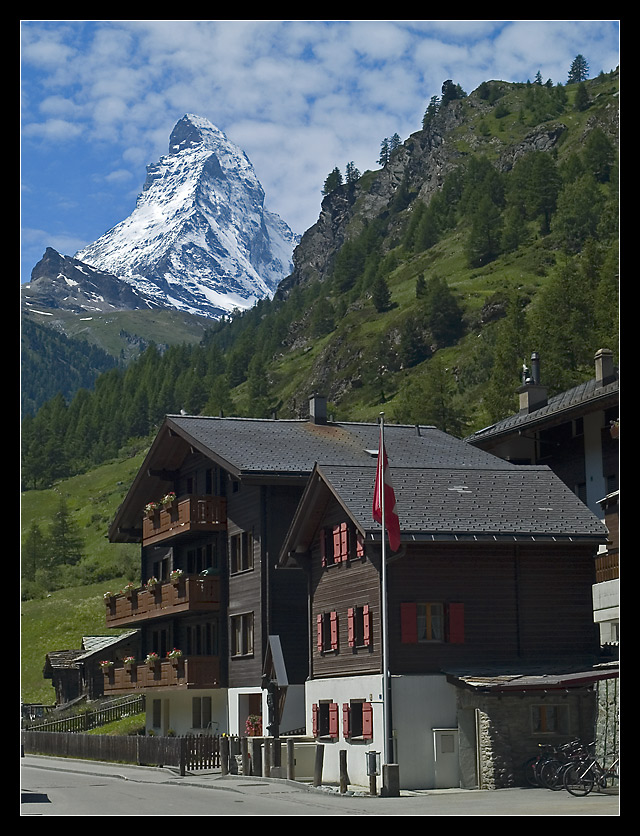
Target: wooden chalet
(220, 627)
(492, 582)
(576, 434)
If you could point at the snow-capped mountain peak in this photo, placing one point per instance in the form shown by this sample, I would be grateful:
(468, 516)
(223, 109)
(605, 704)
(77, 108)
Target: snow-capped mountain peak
(200, 238)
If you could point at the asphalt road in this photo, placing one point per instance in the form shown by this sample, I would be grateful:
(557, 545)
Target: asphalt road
(63, 787)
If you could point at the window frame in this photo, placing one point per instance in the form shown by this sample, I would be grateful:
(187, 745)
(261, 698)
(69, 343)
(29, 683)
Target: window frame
(327, 632)
(359, 626)
(325, 719)
(357, 720)
(241, 552)
(241, 626)
(453, 623)
(542, 723)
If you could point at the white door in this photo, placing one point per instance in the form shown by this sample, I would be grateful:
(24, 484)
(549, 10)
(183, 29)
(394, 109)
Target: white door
(445, 748)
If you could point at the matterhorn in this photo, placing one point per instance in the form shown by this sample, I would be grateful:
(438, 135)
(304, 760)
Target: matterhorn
(200, 238)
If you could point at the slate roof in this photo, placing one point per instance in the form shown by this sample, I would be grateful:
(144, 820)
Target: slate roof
(281, 446)
(439, 503)
(581, 399)
(276, 448)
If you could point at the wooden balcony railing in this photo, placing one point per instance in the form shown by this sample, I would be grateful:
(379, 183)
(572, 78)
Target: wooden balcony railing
(189, 594)
(607, 567)
(185, 673)
(191, 514)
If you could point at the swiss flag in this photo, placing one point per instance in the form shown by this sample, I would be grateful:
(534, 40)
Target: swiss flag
(383, 480)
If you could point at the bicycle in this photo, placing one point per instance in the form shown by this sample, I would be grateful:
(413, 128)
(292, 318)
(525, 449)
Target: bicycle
(580, 778)
(540, 769)
(551, 770)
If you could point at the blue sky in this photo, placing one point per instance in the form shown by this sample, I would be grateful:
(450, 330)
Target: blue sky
(100, 98)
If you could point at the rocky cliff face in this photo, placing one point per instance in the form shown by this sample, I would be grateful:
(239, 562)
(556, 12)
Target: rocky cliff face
(62, 282)
(200, 238)
(420, 166)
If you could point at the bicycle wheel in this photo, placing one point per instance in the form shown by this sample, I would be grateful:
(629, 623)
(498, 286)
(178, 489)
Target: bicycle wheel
(550, 774)
(578, 780)
(529, 771)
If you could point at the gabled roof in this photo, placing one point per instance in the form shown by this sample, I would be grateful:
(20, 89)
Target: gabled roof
(276, 449)
(441, 503)
(575, 402)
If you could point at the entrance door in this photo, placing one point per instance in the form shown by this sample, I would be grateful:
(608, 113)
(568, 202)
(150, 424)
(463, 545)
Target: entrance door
(445, 748)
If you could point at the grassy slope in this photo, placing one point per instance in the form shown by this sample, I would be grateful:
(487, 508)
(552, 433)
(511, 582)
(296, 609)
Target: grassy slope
(59, 621)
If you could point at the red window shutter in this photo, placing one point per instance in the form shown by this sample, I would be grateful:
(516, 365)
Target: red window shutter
(408, 623)
(344, 542)
(456, 623)
(336, 543)
(323, 546)
(366, 618)
(333, 719)
(359, 546)
(314, 719)
(345, 719)
(319, 625)
(367, 720)
(351, 624)
(334, 631)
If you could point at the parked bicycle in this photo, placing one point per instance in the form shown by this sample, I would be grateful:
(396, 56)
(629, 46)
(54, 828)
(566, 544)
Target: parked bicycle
(581, 777)
(542, 769)
(551, 770)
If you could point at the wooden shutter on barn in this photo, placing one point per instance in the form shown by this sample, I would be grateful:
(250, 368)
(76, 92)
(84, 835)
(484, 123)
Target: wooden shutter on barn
(334, 630)
(333, 719)
(408, 623)
(366, 620)
(351, 626)
(367, 720)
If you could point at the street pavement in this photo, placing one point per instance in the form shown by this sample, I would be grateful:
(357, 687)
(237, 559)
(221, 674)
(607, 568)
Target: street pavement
(61, 786)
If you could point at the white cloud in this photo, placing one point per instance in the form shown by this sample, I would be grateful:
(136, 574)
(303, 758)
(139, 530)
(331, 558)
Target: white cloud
(300, 97)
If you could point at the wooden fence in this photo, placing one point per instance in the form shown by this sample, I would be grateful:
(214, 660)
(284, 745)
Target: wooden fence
(189, 753)
(85, 720)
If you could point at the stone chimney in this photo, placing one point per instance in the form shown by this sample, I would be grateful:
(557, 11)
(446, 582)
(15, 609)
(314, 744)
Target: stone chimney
(318, 409)
(533, 394)
(605, 372)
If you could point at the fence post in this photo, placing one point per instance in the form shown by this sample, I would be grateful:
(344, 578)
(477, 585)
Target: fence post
(291, 760)
(224, 755)
(182, 754)
(344, 777)
(317, 772)
(256, 756)
(244, 750)
(267, 757)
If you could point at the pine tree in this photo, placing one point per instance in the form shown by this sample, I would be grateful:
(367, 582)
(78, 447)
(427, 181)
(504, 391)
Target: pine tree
(380, 294)
(65, 543)
(333, 181)
(579, 70)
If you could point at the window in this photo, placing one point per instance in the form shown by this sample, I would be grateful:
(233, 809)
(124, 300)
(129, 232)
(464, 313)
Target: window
(156, 714)
(359, 626)
(240, 552)
(550, 719)
(325, 719)
(357, 719)
(200, 712)
(202, 638)
(432, 622)
(327, 632)
(241, 634)
(340, 543)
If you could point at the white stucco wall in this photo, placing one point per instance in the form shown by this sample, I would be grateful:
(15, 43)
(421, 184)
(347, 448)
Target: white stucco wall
(420, 704)
(177, 713)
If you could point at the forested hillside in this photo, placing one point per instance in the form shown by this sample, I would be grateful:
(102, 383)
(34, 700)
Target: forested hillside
(421, 290)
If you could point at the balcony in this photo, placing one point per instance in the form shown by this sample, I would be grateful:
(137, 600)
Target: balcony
(188, 515)
(190, 594)
(183, 674)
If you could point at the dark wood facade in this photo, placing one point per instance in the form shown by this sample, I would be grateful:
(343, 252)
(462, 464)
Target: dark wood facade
(493, 604)
(228, 612)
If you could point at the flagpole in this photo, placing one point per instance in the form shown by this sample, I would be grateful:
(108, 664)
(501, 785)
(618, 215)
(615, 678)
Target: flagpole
(385, 630)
